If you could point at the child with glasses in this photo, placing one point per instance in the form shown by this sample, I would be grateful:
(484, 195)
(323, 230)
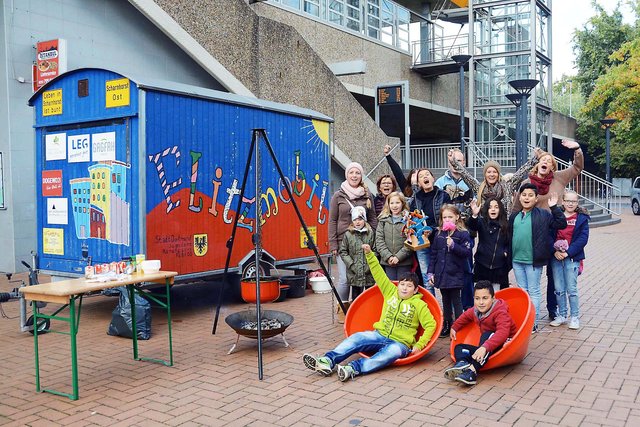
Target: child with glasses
(565, 264)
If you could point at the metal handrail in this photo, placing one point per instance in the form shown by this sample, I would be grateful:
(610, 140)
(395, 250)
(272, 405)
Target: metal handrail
(382, 160)
(595, 190)
(589, 187)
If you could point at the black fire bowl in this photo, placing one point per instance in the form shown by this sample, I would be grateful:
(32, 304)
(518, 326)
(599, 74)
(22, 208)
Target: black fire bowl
(236, 320)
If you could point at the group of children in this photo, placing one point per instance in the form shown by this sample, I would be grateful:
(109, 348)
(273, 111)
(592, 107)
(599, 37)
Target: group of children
(522, 241)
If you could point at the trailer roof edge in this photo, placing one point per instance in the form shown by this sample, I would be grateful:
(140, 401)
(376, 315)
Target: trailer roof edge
(197, 91)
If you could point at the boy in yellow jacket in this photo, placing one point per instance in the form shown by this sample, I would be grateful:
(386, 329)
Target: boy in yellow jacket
(394, 335)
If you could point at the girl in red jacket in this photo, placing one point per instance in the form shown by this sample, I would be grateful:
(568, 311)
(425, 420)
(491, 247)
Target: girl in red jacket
(496, 327)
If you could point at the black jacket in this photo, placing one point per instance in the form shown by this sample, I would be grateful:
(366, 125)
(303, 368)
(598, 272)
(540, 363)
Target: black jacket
(493, 243)
(542, 222)
(432, 210)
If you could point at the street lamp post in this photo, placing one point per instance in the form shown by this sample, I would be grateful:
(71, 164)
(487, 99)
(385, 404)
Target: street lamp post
(461, 60)
(524, 88)
(570, 98)
(607, 129)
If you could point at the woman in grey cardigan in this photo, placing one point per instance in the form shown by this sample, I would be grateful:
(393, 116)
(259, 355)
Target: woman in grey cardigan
(494, 185)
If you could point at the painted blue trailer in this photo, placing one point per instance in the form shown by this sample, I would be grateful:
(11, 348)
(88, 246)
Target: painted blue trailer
(129, 166)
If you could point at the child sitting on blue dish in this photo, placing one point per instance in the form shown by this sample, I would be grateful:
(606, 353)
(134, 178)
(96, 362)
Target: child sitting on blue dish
(394, 335)
(492, 316)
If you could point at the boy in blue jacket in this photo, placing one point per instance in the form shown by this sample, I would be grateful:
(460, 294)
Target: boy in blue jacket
(394, 335)
(531, 242)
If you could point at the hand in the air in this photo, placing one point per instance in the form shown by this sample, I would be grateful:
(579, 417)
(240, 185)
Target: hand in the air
(571, 145)
(475, 209)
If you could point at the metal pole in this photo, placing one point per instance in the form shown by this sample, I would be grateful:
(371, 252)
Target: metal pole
(461, 60)
(525, 134)
(407, 126)
(570, 97)
(462, 145)
(608, 154)
(518, 134)
(229, 243)
(258, 250)
(311, 244)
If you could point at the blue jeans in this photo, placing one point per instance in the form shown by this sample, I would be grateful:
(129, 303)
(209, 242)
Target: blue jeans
(385, 351)
(424, 256)
(528, 278)
(565, 278)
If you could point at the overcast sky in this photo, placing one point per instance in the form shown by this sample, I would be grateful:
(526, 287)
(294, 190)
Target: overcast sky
(567, 16)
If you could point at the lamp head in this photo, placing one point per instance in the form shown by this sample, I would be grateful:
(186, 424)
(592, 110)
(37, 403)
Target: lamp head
(515, 98)
(607, 122)
(524, 86)
(461, 59)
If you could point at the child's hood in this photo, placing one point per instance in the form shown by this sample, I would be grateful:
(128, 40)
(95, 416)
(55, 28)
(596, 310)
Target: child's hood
(413, 298)
(498, 305)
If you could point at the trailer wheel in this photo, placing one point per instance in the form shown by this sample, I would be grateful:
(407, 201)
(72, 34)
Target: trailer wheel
(249, 270)
(43, 325)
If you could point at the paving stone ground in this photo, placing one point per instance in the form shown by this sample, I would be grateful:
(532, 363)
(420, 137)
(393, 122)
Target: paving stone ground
(569, 378)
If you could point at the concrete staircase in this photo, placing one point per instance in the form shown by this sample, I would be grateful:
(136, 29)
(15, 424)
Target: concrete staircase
(274, 62)
(600, 218)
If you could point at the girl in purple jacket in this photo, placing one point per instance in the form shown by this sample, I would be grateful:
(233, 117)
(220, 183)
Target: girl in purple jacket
(449, 252)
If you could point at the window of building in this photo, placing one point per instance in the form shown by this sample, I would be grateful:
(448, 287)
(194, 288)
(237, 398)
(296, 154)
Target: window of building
(382, 20)
(403, 21)
(292, 3)
(373, 18)
(388, 28)
(312, 7)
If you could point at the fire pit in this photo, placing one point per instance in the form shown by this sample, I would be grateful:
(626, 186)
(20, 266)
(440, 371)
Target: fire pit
(245, 323)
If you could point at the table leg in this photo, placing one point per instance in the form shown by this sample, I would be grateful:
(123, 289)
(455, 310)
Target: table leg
(73, 326)
(34, 305)
(166, 304)
(73, 321)
(132, 302)
(167, 284)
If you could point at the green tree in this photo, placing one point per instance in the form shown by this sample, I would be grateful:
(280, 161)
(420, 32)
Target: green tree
(595, 45)
(617, 94)
(602, 35)
(567, 98)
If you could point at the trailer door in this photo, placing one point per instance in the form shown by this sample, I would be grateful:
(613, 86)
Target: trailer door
(86, 195)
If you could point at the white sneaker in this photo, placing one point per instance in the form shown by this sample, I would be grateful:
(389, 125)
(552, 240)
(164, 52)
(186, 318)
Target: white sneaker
(574, 323)
(559, 320)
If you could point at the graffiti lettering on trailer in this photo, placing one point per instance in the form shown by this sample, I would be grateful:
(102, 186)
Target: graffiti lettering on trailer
(268, 200)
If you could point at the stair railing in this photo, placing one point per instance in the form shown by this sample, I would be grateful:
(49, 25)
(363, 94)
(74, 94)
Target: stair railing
(596, 190)
(589, 187)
